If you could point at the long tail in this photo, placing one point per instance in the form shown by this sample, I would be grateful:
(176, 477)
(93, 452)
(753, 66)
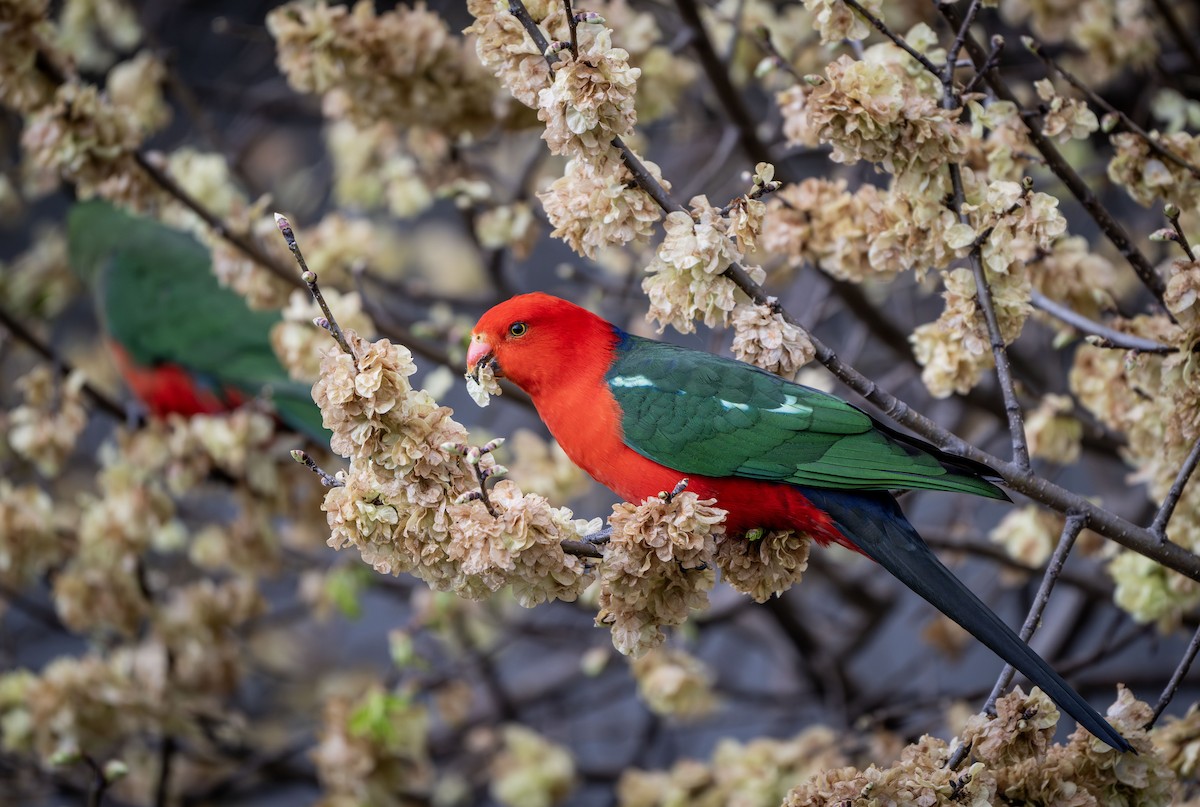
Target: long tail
(875, 523)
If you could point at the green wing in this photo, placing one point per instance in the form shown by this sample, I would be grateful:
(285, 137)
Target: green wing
(162, 303)
(702, 414)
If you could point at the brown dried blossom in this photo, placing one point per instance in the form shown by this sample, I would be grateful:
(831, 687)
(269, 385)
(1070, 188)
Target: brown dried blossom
(136, 87)
(763, 567)
(1064, 118)
(1022, 728)
(87, 140)
(507, 51)
(873, 110)
(758, 772)
(920, 777)
(402, 66)
(685, 279)
(590, 100)
(403, 505)
(819, 222)
(593, 206)
(762, 337)
(836, 21)
(1146, 176)
(658, 567)
(30, 542)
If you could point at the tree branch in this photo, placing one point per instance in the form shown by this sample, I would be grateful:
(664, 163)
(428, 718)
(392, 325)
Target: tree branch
(1172, 687)
(1163, 516)
(1108, 337)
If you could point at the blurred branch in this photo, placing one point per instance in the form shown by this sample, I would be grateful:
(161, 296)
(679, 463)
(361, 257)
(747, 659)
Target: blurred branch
(1108, 337)
(30, 340)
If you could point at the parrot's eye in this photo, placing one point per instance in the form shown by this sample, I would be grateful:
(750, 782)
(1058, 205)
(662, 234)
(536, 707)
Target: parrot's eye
(518, 328)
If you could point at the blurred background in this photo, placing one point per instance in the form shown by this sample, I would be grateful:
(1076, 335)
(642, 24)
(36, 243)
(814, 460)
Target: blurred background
(229, 657)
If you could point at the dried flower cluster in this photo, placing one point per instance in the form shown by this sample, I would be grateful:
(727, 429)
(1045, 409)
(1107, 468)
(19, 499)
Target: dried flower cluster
(766, 566)
(404, 503)
(685, 278)
(758, 772)
(1012, 760)
(592, 205)
(401, 66)
(658, 567)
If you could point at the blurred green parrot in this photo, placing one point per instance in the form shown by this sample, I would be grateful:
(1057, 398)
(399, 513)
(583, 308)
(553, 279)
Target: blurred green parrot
(183, 343)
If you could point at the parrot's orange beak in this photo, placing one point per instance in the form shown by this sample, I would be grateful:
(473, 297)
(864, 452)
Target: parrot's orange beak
(478, 351)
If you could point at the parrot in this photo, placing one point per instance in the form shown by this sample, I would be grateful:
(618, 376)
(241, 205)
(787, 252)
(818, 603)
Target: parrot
(639, 415)
(183, 343)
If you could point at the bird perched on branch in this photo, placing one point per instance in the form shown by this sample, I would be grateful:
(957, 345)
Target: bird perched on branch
(638, 415)
(183, 343)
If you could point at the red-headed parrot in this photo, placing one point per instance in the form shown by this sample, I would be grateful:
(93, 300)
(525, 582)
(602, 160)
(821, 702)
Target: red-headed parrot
(639, 415)
(183, 343)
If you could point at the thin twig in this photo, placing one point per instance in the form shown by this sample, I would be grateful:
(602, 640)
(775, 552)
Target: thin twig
(1172, 687)
(572, 25)
(993, 59)
(983, 296)
(1163, 516)
(1105, 336)
(327, 479)
(1071, 529)
(956, 48)
(880, 26)
(310, 279)
(1093, 98)
(1172, 212)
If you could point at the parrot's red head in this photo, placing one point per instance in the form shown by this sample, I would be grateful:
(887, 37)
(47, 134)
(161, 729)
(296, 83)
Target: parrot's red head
(537, 341)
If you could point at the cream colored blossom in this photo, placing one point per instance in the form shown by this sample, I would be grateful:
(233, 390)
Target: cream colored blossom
(872, 110)
(261, 288)
(1023, 727)
(836, 21)
(1183, 290)
(759, 771)
(674, 683)
(818, 221)
(30, 541)
(483, 384)
(762, 337)
(504, 48)
(44, 428)
(530, 770)
(198, 625)
(954, 351)
(596, 204)
(685, 281)
(136, 86)
(1029, 534)
(657, 567)
(85, 139)
(403, 65)
(542, 467)
(1146, 176)
(1177, 739)
(763, 567)
(590, 100)
(95, 31)
(1064, 118)
(1072, 274)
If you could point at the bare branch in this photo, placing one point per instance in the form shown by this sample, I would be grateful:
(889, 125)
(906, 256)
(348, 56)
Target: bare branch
(327, 479)
(1163, 516)
(310, 279)
(1106, 336)
(898, 40)
(1172, 687)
